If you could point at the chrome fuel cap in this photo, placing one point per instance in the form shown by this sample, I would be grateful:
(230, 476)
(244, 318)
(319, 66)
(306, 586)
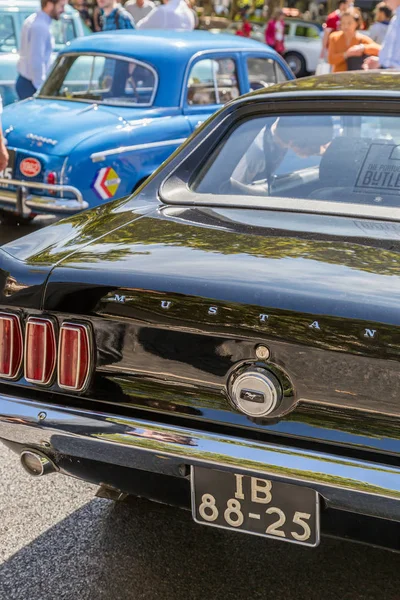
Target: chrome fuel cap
(256, 392)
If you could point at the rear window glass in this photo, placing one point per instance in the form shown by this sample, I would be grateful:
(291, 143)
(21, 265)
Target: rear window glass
(101, 79)
(346, 158)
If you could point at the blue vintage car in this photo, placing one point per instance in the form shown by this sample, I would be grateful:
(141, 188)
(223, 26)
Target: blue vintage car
(114, 107)
(12, 16)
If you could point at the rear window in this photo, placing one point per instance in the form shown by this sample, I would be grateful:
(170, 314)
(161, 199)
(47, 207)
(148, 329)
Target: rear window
(97, 78)
(338, 158)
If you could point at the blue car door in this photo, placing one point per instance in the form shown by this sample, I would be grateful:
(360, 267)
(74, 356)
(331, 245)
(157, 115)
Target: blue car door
(212, 80)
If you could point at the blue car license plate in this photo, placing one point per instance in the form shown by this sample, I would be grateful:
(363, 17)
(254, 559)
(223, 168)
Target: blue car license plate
(256, 505)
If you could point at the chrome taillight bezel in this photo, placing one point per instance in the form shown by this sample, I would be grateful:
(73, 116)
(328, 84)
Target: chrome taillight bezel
(16, 319)
(85, 329)
(41, 321)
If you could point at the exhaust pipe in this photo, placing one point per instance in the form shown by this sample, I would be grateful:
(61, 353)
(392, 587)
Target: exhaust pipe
(36, 464)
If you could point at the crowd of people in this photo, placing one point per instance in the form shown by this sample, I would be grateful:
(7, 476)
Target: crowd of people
(346, 47)
(345, 44)
(139, 14)
(37, 42)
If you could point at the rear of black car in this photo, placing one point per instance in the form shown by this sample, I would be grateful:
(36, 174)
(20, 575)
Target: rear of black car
(240, 361)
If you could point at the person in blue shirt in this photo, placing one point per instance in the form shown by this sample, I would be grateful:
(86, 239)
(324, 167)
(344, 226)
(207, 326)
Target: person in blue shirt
(36, 47)
(114, 16)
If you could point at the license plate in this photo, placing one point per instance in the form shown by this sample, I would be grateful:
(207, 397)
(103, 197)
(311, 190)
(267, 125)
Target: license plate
(8, 172)
(255, 505)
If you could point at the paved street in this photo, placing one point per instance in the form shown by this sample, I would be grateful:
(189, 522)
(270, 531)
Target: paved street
(58, 541)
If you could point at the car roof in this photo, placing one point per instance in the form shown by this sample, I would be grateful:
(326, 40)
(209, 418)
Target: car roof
(151, 44)
(354, 83)
(160, 49)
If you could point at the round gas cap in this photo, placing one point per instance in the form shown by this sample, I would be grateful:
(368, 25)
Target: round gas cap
(256, 392)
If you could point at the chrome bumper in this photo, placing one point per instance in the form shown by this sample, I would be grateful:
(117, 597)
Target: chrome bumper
(22, 198)
(347, 484)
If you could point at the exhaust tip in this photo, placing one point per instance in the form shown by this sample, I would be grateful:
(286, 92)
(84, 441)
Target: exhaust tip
(36, 464)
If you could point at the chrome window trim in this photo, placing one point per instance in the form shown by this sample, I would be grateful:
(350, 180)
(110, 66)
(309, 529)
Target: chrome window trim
(102, 155)
(107, 55)
(11, 317)
(184, 196)
(215, 52)
(82, 329)
(41, 321)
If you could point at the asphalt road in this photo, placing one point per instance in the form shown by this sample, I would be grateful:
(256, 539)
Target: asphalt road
(57, 541)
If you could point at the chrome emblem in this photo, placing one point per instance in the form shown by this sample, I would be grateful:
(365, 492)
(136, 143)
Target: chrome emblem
(41, 140)
(256, 392)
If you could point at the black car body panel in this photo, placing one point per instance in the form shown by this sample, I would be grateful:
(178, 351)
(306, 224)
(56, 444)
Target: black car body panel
(179, 299)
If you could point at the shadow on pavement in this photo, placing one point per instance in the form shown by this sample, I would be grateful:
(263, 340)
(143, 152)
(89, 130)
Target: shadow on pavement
(148, 551)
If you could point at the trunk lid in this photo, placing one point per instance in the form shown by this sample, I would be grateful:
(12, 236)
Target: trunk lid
(184, 296)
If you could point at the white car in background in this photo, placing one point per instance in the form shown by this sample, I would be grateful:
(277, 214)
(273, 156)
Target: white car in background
(303, 43)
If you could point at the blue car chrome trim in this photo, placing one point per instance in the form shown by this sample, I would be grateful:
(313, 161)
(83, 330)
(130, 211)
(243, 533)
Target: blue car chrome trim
(58, 204)
(365, 487)
(99, 156)
(41, 139)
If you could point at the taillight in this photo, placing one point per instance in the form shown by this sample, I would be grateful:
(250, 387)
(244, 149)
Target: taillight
(10, 346)
(40, 350)
(73, 356)
(52, 178)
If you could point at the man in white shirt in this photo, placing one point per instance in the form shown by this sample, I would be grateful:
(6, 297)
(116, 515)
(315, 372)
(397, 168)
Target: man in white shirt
(389, 56)
(139, 9)
(3, 149)
(174, 14)
(37, 45)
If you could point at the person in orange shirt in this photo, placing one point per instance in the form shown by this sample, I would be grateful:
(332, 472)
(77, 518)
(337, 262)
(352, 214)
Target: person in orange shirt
(348, 48)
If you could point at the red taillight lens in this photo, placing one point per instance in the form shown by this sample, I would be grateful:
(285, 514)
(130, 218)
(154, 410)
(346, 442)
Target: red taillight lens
(73, 356)
(52, 178)
(10, 345)
(40, 350)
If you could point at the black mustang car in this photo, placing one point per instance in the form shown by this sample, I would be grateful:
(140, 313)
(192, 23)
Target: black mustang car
(227, 338)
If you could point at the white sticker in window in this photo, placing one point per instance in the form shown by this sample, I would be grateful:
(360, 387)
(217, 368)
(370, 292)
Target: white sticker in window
(381, 169)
